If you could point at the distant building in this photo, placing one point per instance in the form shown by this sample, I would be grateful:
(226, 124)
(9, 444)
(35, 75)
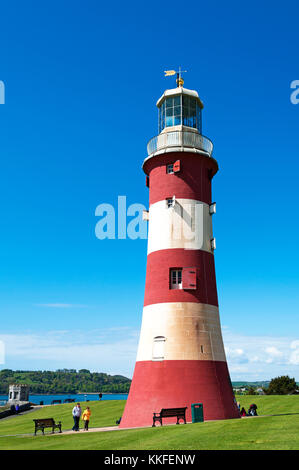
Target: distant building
(240, 391)
(18, 393)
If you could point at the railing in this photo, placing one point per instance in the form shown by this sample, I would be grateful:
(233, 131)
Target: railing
(180, 139)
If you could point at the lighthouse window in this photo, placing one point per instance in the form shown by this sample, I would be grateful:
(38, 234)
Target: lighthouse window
(178, 110)
(170, 113)
(189, 112)
(170, 203)
(176, 278)
(169, 121)
(169, 168)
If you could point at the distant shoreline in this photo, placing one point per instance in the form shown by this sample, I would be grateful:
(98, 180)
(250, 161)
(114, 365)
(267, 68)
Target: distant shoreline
(80, 393)
(75, 393)
(49, 398)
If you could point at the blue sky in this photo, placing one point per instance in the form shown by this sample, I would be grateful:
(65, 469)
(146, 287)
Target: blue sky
(81, 82)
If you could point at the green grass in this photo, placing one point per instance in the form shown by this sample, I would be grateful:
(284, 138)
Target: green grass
(104, 413)
(279, 431)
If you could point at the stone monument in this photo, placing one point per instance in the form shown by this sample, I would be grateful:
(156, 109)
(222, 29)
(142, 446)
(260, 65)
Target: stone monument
(18, 394)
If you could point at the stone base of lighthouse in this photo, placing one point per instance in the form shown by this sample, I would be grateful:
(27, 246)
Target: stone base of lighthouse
(180, 361)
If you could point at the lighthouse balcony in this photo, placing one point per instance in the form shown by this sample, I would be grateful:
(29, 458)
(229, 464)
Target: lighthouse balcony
(179, 141)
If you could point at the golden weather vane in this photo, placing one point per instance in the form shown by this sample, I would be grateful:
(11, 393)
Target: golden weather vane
(179, 80)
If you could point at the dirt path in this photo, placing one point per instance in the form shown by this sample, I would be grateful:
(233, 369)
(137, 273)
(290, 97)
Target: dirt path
(70, 431)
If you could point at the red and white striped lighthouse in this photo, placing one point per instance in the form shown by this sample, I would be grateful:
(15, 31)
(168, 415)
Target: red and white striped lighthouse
(181, 358)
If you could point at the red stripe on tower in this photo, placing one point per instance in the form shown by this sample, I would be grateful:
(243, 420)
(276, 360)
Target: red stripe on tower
(159, 265)
(181, 358)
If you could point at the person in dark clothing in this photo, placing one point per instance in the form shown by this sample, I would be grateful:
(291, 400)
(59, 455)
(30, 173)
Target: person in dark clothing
(76, 415)
(252, 410)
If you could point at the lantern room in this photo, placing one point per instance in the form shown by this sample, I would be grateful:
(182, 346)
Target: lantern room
(180, 107)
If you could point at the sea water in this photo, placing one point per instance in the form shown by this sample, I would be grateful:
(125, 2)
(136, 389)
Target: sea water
(47, 399)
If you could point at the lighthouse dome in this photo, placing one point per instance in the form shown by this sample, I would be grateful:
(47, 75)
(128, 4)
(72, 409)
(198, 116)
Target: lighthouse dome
(180, 108)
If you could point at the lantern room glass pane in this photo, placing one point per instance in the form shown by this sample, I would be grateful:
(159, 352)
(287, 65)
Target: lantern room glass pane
(169, 121)
(191, 113)
(186, 101)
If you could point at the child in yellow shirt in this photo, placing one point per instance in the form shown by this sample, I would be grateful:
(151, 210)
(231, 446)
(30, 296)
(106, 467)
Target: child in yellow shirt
(86, 417)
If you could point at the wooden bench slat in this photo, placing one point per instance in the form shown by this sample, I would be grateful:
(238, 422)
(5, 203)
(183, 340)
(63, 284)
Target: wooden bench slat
(45, 421)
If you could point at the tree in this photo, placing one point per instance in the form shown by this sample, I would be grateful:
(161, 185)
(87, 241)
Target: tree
(282, 385)
(64, 381)
(6, 373)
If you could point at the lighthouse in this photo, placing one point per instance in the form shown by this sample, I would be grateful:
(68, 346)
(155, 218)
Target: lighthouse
(181, 359)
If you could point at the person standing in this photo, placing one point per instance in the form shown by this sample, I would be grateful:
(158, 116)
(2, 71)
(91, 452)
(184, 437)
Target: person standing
(76, 415)
(86, 417)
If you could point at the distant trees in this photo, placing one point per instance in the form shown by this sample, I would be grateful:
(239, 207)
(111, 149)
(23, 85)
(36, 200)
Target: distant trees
(66, 381)
(282, 385)
(6, 373)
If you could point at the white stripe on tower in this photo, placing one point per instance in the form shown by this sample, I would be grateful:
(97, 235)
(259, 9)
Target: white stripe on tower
(187, 225)
(191, 331)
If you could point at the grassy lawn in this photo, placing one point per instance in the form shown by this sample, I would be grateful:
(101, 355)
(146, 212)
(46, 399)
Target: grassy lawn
(262, 433)
(104, 413)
